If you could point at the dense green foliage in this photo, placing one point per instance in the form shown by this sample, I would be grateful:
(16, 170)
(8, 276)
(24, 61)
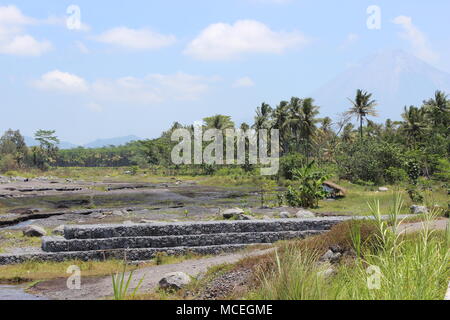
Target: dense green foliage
(370, 153)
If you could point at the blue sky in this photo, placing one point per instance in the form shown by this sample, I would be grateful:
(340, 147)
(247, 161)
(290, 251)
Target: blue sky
(135, 67)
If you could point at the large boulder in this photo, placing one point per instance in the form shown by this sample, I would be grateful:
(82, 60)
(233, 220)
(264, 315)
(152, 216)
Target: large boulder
(58, 231)
(419, 209)
(305, 214)
(174, 281)
(383, 189)
(34, 231)
(284, 215)
(232, 213)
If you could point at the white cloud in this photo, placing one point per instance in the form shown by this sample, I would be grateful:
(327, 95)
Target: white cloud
(223, 41)
(12, 16)
(136, 39)
(148, 90)
(24, 45)
(244, 82)
(416, 38)
(13, 39)
(62, 82)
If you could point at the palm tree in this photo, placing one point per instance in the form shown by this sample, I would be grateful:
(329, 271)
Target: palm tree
(438, 109)
(219, 122)
(302, 121)
(413, 125)
(262, 119)
(363, 106)
(280, 121)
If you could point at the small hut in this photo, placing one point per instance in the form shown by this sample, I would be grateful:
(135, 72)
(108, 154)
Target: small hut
(333, 190)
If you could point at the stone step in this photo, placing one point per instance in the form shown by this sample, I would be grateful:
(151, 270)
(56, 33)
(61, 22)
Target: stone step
(197, 228)
(60, 244)
(118, 254)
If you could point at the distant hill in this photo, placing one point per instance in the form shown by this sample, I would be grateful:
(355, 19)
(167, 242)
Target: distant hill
(62, 145)
(94, 144)
(395, 78)
(113, 141)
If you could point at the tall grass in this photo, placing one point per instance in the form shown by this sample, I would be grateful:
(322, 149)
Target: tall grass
(411, 266)
(121, 285)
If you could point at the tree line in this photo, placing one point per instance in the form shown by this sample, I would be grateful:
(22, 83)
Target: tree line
(368, 152)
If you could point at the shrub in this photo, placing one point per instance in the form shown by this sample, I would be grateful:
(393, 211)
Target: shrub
(289, 163)
(308, 188)
(8, 163)
(395, 175)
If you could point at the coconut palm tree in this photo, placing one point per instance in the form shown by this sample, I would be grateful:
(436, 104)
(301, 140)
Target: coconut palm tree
(302, 121)
(438, 109)
(219, 122)
(262, 119)
(363, 106)
(280, 121)
(413, 126)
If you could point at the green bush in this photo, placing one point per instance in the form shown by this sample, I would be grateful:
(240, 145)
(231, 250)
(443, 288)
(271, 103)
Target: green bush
(308, 187)
(395, 175)
(289, 163)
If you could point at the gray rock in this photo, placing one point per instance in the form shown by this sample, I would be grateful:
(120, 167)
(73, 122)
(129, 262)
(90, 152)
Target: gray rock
(58, 231)
(284, 215)
(232, 213)
(383, 189)
(34, 231)
(147, 221)
(128, 222)
(419, 209)
(331, 257)
(327, 273)
(117, 213)
(304, 214)
(246, 217)
(174, 281)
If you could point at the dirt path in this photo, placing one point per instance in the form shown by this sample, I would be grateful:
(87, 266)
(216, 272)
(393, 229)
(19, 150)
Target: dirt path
(98, 288)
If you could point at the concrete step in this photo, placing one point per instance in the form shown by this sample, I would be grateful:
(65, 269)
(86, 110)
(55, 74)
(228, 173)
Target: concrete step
(60, 244)
(118, 254)
(197, 228)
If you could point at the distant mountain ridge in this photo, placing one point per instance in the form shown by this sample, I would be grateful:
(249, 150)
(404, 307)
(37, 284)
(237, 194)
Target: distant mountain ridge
(395, 78)
(99, 143)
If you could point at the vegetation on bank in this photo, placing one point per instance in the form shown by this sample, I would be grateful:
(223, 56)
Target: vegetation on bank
(385, 265)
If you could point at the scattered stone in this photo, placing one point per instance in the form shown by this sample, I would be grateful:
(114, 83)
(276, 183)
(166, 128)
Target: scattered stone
(246, 217)
(419, 209)
(22, 211)
(34, 231)
(58, 231)
(383, 189)
(284, 215)
(304, 214)
(118, 213)
(232, 213)
(174, 281)
(331, 257)
(147, 221)
(327, 273)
